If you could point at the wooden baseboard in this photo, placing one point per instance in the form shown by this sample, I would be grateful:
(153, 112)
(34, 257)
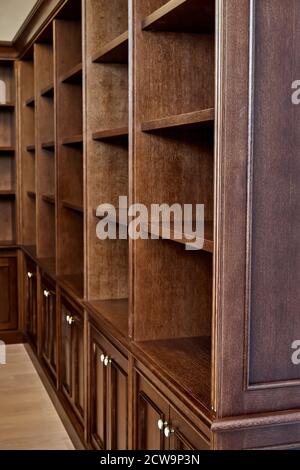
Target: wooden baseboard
(12, 337)
(55, 400)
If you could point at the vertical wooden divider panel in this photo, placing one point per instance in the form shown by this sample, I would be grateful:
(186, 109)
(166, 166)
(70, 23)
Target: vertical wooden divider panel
(172, 161)
(8, 183)
(106, 159)
(27, 160)
(45, 168)
(69, 148)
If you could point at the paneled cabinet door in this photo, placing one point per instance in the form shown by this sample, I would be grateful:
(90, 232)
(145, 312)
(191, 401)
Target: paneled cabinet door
(182, 436)
(48, 326)
(98, 387)
(72, 356)
(152, 417)
(31, 302)
(117, 403)
(108, 395)
(8, 293)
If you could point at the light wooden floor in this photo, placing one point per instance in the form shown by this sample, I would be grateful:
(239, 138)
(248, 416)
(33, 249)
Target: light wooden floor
(28, 420)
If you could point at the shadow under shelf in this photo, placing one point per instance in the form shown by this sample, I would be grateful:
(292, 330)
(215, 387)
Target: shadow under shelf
(188, 16)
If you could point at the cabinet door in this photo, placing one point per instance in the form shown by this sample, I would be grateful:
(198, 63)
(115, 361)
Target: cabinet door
(72, 356)
(182, 436)
(8, 294)
(48, 325)
(152, 415)
(98, 395)
(31, 302)
(117, 395)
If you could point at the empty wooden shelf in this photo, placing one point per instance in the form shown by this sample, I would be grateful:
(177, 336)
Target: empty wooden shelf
(48, 266)
(30, 102)
(7, 106)
(117, 134)
(48, 91)
(48, 145)
(49, 198)
(73, 140)
(74, 75)
(31, 194)
(186, 361)
(6, 150)
(153, 100)
(192, 16)
(181, 121)
(72, 282)
(115, 312)
(7, 193)
(115, 51)
(179, 236)
(73, 207)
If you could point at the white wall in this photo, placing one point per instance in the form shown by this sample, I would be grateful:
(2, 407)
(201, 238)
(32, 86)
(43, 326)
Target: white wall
(12, 14)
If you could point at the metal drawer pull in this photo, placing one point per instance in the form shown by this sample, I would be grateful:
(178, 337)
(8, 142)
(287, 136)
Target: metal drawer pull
(30, 275)
(102, 358)
(71, 320)
(168, 431)
(161, 424)
(107, 361)
(46, 293)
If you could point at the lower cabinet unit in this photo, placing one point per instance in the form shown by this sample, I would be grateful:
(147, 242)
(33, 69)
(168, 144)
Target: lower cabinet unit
(49, 328)
(108, 395)
(72, 375)
(159, 426)
(31, 323)
(8, 292)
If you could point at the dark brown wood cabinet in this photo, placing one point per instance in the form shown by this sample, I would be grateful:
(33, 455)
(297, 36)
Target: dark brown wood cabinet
(31, 323)
(159, 426)
(72, 376)
(97, 119)
(48, 345)
(8, 292)
(108, 405)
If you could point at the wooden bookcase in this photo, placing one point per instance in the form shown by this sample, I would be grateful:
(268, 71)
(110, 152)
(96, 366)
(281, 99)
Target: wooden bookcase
(173, 161)
(8, 184)
(162, 102)
(27, 152)
(69, 147)
(106, 155)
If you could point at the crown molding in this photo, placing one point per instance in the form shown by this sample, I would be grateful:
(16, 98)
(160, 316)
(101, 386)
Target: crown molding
(39, 18)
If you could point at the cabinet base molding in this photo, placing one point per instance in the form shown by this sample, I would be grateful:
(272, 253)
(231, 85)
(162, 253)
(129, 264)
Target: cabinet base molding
(12, 337)
(279, 430)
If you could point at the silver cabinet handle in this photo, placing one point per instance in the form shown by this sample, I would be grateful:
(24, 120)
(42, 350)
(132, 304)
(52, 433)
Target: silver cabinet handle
(29, 275)
(168, 431)
(161, 424)
(102, 358)
(68, 319)
(71, 320)
(46, 293)
(107, 361)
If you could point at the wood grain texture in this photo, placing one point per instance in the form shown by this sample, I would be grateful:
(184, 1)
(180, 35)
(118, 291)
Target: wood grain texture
(30, 423)
(69, 122)
(177, 357)
(106, 160)
(182, 15)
